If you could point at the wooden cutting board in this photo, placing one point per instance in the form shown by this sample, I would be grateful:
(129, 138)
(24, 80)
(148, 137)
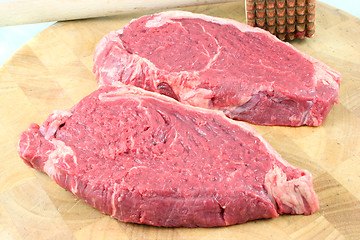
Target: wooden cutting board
(53, 71)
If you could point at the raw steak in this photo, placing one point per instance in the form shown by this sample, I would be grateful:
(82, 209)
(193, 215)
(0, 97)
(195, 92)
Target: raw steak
(219, 64)
(145, 158)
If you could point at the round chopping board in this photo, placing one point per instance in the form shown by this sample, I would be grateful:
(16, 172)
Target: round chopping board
(54, 71)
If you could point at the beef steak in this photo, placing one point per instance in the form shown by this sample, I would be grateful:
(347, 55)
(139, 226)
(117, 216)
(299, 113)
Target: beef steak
(219, 64)
(145, 158)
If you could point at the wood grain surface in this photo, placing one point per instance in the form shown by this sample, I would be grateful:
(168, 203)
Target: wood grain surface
(53, 71)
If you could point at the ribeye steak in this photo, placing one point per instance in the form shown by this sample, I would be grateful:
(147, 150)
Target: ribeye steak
(219, 64)
(145, 158)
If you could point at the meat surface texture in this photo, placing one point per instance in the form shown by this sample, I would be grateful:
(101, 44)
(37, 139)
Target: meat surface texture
(220, 64)
(145, 158)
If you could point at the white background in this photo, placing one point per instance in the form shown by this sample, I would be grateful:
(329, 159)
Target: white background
(13, 37)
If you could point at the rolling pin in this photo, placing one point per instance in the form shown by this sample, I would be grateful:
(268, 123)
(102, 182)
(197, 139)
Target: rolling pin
(36, 11)
(287, 19)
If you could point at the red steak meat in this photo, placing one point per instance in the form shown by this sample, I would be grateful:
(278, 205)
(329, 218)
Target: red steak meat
(219, 64)
(145, 158)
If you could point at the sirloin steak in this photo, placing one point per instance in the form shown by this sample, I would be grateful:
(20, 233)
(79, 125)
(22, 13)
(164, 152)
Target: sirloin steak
(219, 64)
(145, 158)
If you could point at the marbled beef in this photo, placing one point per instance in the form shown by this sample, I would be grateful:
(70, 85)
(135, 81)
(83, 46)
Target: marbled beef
(145, 158)
(219, 64)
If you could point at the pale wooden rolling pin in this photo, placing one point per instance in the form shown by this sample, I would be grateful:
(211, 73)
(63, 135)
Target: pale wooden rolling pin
(35, 11)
